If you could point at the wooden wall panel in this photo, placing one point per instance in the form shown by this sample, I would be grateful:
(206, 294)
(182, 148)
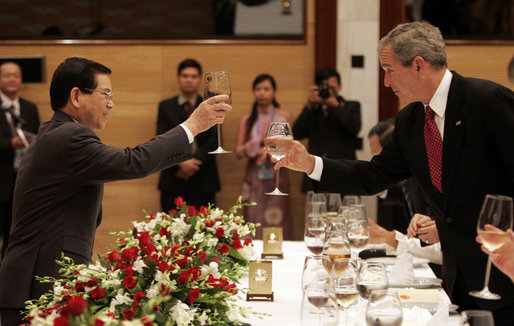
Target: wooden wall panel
(143, 75)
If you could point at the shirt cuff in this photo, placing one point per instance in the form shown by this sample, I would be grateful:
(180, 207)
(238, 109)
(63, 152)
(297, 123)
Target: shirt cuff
(318, 169)
(190, 136)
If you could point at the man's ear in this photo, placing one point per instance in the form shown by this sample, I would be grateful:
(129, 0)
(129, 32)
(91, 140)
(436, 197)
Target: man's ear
(74, 96)
(419, 62)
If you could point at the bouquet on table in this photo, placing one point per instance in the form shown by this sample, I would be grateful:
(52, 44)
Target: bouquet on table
(172, 269)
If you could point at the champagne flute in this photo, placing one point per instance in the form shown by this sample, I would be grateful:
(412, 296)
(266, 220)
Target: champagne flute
(371, 276)
(358, 236)
(477, 318)
(278, 130)
(344, 271)
(315, 224)
(384, 308)
(217, 83)
(496, 211)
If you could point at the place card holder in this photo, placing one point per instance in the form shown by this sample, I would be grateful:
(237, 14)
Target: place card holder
(260, 281)
(272, 242)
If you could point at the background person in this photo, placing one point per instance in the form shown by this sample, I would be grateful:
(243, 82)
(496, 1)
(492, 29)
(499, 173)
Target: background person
(260, 177)
(12, 147)
(196, 179)
(59, 188)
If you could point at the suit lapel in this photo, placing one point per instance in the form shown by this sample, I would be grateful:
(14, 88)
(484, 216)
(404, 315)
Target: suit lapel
(5, 128)
(453, 134)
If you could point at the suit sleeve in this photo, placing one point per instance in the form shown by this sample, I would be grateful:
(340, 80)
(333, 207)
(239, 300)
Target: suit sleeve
(349, 117)
(91, 161)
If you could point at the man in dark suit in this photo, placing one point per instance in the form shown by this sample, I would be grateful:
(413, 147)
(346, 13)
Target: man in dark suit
(196, 179)
(328, 121)
(59, 188)
(16, 112)
(458, 156)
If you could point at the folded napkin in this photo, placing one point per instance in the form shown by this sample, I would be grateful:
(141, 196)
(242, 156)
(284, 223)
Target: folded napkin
(403, 270)
(441, 316)
(416, 316)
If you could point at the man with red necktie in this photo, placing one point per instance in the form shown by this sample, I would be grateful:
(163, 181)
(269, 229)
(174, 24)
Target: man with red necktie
(456, 138)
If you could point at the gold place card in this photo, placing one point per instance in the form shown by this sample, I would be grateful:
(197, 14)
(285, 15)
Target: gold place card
(260, 281)
(272, 242)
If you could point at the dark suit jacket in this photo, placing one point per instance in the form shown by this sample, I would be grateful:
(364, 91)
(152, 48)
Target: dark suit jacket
(478, 159)
(392, 211)
(332, 135)
(58, 198)
(206, 179)
(28, 112)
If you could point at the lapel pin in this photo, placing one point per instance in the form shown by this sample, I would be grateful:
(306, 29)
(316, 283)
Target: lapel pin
(458, 123)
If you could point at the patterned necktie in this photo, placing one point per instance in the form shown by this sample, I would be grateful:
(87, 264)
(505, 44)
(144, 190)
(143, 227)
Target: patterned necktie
(434, 147)
(12, 122)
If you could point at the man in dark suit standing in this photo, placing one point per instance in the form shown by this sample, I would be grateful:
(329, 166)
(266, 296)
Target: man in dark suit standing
(196, 179)
(16, 112)
(328, 121)
(59, 187)
(456, 138)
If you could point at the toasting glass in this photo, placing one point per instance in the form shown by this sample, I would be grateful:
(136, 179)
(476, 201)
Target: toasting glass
(217, 83)
(497, 212)
(384, 308)
(371, 276)
(344, 271)
(477, 318)
(315, 223)
(278, 131)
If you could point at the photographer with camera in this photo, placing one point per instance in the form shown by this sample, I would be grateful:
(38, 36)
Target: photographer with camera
(329, 121)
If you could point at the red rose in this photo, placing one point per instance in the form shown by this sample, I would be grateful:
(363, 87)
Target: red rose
(184, 277)
(179, 201)
(164, 290)
(195, 273)
(214, 259)
(129, 282)
(119, 265)
(182, 262)
(163, 266)
(75, 306)
(248, 241)
(92, 282)
(156, 308)
(138, 296)
(128, 313)
(236, 244)
(202, 256)
(97, 293)
(235, 236)
(163, 231)
(113, 256)
(129, 270)
(204, 210)
(153, 217)
(231, 288)
(172, 211)
(146, 321)
(99, 322)
(129, 254)
(61, 321)
(144, 239)
(79, 286)
(209, 223)
(174, 248)
(191, 210)
(223, 248)
(149, 249)
(220, 232)
(193, 295)
(189, 250)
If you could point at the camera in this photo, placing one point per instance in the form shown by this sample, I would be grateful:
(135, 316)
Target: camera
(324, 90)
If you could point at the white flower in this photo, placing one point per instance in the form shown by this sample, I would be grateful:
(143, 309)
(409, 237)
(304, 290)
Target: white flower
(120, 299)
(140, 227)
(212, 242)
(58, 288)
(199, 237)
(153, 291)
(139, 265)
(216, 213)
(248, 252)
(211, 269)
(238, 314)
(203, 318)
(180, 228)
(180, 314)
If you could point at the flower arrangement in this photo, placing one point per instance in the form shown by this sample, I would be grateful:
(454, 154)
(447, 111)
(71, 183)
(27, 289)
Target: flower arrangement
(178, 268)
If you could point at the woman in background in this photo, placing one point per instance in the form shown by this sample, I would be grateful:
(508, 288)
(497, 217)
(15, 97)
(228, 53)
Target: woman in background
(260, 177)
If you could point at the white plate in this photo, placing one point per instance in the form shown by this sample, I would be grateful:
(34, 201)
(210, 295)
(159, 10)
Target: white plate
(417, 262)
(419, 283)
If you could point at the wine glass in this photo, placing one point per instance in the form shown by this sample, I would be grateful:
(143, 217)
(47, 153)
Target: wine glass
(358, 236)
(333, 202)
(371, 276)
(316, 269)
(384, 308)
(358, 211)
(315, 224)
(496, 211)
(336, 245)
(349, 200)
(319, 295)
(477, 318)
(278, 130)
(344, 272)
(217, 83)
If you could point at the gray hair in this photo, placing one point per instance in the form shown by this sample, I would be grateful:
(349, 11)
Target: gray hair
(416, 39)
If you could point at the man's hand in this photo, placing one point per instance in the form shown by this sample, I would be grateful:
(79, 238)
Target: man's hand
(297, 158)
(188, 168)
(503, 257)
(313, 98)
(423, 227)
(207, 114)
(378, 234)
(17, 143)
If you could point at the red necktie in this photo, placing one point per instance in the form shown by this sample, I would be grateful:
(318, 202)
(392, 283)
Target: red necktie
(434, 147)
(189, 108)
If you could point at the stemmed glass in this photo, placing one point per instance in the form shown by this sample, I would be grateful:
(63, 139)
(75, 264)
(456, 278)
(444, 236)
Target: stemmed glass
(349, 200)
(333, 203)
(384, 308)
(344, 271)
(496, 212)
(277, 130)
(477, 318)
(217, 83)
(371, 276)
(316, 269)
(358, 236)
(358, 211)
(315, 224)
(319, 295)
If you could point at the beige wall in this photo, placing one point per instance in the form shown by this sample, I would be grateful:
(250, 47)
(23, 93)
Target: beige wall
(145, 74)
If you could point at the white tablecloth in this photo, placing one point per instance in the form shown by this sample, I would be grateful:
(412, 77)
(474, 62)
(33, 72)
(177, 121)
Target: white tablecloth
(287, 274)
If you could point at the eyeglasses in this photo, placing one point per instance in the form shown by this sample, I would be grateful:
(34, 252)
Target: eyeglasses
(109, 95)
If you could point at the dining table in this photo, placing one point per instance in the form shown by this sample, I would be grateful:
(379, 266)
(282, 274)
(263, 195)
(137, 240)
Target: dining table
(285, 309)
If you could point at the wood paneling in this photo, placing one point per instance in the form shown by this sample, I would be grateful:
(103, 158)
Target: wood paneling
(145, 74)
(326, 34)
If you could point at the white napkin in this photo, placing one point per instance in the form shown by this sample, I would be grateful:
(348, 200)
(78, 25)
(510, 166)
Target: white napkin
(441, 316)
(403, 270)
(416, 315)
